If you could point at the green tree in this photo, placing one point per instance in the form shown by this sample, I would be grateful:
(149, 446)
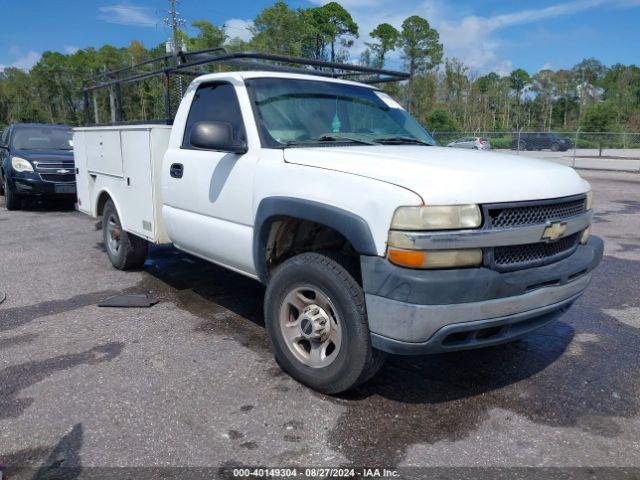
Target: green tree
(421, 49)
(519, 79)
(440, 120)
(387, 37)
(599, 118)
(544, 87)
(332, 26)
(588, 75)
(621, 88)
(209, 36)
(279, 29)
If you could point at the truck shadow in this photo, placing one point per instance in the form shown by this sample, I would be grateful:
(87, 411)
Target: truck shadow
(16, 378)
(227, 303)
(580, 373)
(59, 461)
(38, 205)
(577, 373)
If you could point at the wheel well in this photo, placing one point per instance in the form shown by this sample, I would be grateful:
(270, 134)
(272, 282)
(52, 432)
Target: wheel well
(290, 236)
(102, 200)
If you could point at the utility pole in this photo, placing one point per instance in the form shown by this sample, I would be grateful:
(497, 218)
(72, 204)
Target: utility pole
(174, 25)
(174, 21)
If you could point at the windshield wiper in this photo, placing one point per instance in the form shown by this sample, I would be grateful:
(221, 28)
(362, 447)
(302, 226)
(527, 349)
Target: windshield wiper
(330, 138)
(399, 140)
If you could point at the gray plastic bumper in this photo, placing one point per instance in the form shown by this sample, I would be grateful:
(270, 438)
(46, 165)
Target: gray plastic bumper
(491, 307)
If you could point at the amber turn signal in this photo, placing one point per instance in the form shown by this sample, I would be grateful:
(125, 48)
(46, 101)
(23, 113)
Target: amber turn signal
(435, 258)
(406, 258)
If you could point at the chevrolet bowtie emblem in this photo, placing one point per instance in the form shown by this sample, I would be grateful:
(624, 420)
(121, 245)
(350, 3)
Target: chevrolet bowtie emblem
(64, 171)
(554, 231)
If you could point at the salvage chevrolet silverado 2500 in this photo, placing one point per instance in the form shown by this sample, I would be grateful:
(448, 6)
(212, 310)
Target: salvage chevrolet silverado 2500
(370, 239)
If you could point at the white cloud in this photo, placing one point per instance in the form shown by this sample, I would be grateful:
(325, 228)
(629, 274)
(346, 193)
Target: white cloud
(70, 49)
(527, 16)
(471, 38)
(123, 14)
(238, 28)
(24, 62)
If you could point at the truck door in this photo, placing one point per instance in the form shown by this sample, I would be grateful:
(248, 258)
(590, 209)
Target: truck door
(207, 195)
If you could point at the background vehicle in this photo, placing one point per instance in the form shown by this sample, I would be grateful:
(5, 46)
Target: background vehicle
(475, 143)
(369, 238)
(36, 160)
(541, 141)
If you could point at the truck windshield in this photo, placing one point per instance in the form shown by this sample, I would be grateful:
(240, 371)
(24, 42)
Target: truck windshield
(34, 138)
(294, 112)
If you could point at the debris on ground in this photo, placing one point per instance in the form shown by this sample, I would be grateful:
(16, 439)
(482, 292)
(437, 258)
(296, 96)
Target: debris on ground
(129, 301)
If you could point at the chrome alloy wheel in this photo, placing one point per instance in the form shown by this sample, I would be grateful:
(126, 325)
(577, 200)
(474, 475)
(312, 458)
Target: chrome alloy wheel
(114, 232)
(310, 326)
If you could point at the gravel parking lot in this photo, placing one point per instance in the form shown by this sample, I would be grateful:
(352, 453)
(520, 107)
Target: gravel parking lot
(191, 381)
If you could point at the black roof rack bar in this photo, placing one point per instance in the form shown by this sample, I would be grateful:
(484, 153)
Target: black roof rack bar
(133, 78)
(166, 58)
(184, 63)
(357, 69)
(201, 58)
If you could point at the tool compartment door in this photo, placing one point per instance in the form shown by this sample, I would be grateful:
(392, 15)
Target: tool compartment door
(137, 202)
(83, 180)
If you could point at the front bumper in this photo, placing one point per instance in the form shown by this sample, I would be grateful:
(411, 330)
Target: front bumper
(32, 185)
(419, 311)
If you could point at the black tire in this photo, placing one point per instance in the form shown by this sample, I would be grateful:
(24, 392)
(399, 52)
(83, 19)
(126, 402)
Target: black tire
(11, 200)
(132, 251)
(356, 361)
(555, 147)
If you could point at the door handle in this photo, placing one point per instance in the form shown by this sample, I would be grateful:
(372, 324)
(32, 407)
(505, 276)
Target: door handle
(176, 170)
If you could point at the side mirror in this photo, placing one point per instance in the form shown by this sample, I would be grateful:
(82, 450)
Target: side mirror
(215, 136)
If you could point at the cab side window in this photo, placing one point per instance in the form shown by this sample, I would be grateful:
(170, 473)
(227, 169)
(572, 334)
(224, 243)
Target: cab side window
(215, 102)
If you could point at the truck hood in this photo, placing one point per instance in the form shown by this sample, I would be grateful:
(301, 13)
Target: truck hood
(443, 175)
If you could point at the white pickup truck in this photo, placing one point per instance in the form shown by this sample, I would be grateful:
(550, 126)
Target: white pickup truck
(370, 239)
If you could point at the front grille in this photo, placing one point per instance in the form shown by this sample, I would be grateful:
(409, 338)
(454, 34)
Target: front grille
(58, 177)
(53, 166)
(531, 255)
(518, 216)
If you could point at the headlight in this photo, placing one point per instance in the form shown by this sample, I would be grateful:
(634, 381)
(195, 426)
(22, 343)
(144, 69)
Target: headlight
(589, 199)
(435, 258)
(21, 165)
(437, 217)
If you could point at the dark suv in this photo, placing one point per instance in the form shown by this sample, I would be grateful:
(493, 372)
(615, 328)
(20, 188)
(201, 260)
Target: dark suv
(36, 160)
(541, 141)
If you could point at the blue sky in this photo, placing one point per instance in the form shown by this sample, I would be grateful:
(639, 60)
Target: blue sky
(485, 34)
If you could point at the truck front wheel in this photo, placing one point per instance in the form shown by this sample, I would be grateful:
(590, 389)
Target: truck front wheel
(316, 320)
(126, 251)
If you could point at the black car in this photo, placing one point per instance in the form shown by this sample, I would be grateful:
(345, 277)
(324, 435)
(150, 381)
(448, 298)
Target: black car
(36, 160)
(541, 141)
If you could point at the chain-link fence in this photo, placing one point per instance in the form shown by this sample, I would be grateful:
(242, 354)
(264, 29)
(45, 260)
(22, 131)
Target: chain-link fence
(577, 148)
(539, 141)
